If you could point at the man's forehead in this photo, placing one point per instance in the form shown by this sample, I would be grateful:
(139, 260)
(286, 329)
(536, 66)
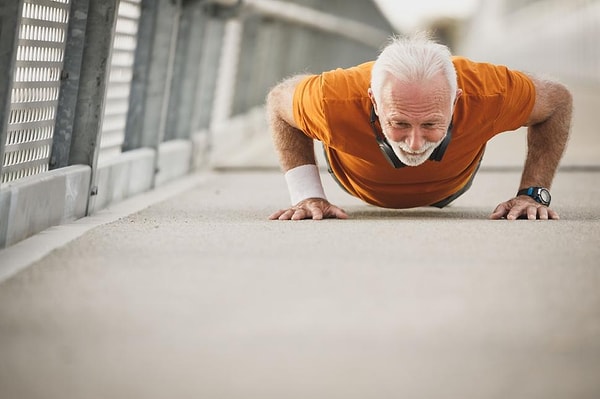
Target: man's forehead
(437, 83)
(416, 93)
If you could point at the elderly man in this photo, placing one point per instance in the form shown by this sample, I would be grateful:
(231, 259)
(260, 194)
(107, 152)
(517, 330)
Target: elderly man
(410, 130)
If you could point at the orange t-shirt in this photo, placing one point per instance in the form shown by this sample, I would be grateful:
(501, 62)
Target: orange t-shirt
(334, 108)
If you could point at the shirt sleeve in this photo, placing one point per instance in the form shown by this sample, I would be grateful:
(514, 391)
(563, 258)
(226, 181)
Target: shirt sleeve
(518, 100)
(309, 112)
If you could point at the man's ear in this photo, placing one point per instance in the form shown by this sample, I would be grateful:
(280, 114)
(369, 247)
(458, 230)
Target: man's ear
(372, 97)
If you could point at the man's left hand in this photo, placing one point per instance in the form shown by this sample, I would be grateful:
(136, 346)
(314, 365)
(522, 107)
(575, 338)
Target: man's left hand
(523, 207)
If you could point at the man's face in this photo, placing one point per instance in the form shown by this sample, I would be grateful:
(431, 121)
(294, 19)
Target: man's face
(414, 117)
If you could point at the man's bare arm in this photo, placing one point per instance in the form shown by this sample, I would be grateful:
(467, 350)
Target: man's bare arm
(297, 158)
(293, 147)
(547, 135)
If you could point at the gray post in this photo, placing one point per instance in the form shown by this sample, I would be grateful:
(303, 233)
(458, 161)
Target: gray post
(152, 73)
(134, 131)
(69, 88)
(93, 80)
(10, 20)
(170, 53)
(186, 71)
(87, 124)
(227, 75)
(212, 41)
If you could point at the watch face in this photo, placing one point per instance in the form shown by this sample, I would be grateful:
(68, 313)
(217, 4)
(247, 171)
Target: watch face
(545, 196)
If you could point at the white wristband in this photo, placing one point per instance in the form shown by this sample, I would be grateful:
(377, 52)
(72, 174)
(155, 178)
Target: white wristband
(304, 182)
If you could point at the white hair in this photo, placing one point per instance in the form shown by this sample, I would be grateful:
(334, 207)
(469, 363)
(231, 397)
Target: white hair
(413, 59)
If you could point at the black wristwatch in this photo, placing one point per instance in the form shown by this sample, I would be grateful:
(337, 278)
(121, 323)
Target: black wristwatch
(539, 194)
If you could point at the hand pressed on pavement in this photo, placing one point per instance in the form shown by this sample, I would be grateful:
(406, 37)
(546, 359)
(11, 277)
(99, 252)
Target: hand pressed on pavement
(310, 208)
(523, 207)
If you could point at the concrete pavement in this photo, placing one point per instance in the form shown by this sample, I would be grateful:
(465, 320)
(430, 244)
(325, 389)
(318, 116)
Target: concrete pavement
(190, 292)
(200, 296)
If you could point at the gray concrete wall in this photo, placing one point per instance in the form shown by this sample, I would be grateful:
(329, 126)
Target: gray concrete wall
(31, 205)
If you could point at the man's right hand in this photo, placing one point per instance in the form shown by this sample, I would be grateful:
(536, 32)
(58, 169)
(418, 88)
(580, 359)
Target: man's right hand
(310, 208)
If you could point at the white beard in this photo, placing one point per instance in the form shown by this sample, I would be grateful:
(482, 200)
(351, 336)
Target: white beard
(408, 157)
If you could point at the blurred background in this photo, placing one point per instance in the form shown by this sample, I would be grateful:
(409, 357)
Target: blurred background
(103, 100)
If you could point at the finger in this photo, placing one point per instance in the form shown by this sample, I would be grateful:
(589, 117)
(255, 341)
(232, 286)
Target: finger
(339, 213)
(500, 211)
(532, 212)
(286, 215)
(335, 212)
(543, 213)
(299, 214)
(275, 215)
(516, 211)
(316, 212)
(552, 214)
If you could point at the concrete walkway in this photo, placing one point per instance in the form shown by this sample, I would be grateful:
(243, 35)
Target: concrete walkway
(199, 296)
(190, 292)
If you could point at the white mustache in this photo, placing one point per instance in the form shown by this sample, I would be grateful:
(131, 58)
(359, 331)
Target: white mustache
(426, 147)
(411, 157)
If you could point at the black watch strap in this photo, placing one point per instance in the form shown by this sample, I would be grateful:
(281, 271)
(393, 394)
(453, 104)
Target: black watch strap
(539, 194)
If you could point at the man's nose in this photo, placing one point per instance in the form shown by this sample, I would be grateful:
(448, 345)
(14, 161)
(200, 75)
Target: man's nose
(414, 140)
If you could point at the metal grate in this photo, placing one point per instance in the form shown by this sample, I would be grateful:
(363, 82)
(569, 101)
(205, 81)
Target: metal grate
(120, 75)
(36, 82)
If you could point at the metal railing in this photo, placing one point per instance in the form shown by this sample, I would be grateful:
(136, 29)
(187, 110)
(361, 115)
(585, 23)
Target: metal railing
(118, 90)
(34, 90)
